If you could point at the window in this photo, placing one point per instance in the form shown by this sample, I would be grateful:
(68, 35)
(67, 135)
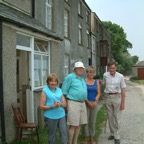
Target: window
(41, 64)
(49, 14)
(87, 16)
(80, 8)
(98, 49)
(23, 40)
(80, 34)
(66, 65)
(88, 42)
(103, 49)
(93, 44)
(66, 23)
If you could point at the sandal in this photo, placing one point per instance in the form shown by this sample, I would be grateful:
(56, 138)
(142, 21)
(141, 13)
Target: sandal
(85, 141)
(93, 141)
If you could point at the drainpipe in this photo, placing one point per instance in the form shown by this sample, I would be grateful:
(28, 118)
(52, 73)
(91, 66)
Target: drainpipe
(3, 136)
(33, 8)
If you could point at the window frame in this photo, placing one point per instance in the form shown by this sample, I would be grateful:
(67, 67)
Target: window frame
(88, 38)
(66, 24)
(80, 8)
(48, 19)
(80, 33)
(93, 44)
(66, 64)
(42, 55)
(87, 17)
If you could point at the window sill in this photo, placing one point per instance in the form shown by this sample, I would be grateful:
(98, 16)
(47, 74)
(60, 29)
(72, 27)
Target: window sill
(67, 38)
(80, 44)
(80, 16)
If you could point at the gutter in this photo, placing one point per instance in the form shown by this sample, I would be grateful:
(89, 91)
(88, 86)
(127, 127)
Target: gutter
(3, 136)
(20, 19)
(29, 27)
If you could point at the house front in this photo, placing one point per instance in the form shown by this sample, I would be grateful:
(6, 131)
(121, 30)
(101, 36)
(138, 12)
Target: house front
(36, 39)
(28, 51)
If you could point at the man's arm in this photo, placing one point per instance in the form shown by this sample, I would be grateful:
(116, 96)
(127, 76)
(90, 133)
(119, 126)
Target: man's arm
(122, 99)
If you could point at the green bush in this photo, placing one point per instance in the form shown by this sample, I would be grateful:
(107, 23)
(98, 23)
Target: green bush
(134, 78)
(99, 75)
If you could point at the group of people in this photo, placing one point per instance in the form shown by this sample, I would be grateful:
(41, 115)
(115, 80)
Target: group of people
(75, 104)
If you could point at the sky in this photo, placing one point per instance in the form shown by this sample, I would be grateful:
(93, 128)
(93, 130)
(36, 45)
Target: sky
(129, 14)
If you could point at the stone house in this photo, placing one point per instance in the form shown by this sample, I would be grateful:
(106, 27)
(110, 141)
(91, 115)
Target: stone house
(101, 44)
(138, 70)
(37, 38)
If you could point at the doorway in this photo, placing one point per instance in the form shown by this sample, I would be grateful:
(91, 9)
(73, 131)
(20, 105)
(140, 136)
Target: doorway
(23, 79)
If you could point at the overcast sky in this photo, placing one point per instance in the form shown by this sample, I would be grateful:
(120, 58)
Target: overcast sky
(129, 14)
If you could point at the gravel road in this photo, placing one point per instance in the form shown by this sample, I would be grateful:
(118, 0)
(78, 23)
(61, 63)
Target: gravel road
(132, 118)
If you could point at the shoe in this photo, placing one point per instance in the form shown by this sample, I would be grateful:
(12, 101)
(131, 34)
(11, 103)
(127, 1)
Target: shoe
(110, 137)
(93, 142)
(85, 141)
(117, 141)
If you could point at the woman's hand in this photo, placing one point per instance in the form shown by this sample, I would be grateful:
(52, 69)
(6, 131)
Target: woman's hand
(94, 104)
(56, 104)
(89, 104)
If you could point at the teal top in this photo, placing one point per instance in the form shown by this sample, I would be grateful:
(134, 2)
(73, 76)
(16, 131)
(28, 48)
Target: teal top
(74, 87)
(51, 96)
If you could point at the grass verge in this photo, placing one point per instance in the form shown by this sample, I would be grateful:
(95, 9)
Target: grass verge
(101, 117)
(100, 122)
(135, 79)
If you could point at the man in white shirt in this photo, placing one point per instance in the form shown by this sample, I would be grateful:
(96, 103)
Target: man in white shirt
(115, 99)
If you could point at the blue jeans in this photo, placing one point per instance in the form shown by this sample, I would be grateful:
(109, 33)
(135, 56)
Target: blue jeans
(52, 125)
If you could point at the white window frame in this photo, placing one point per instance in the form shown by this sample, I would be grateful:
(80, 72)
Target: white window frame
(80, 33)
(66, 23)
(31, 69)
(48, 13)
(20, 47)
(79, 7)
(66, 65)
(42, 54)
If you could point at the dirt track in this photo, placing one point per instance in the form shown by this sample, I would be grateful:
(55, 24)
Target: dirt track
(132, 118)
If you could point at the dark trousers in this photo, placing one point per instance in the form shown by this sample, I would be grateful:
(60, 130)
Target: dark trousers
(52, 125)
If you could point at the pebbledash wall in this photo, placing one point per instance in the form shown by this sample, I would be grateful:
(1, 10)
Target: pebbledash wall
(9, 78)
(18, 20)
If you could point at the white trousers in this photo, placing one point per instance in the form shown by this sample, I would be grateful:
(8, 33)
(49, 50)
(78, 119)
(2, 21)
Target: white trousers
(113, 112)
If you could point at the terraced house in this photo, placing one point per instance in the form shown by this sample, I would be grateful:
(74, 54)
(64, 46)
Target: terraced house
(40, 37)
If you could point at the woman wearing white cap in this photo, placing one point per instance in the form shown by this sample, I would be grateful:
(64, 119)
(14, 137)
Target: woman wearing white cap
(75, 90)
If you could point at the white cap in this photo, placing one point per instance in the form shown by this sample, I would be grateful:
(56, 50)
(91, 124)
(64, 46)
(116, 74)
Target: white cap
(78, 64)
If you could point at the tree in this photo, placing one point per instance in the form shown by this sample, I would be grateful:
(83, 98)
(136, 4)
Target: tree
(135, 59)
(120, 46)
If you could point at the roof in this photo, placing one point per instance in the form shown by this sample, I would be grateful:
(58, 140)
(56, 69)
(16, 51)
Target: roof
(14, 16)
(139, 64)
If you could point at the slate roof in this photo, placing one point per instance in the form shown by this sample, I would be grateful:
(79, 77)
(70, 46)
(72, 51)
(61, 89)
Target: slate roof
(139, 64)
(11, 15)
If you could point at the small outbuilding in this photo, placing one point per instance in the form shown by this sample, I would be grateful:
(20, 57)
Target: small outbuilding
(138, 70)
